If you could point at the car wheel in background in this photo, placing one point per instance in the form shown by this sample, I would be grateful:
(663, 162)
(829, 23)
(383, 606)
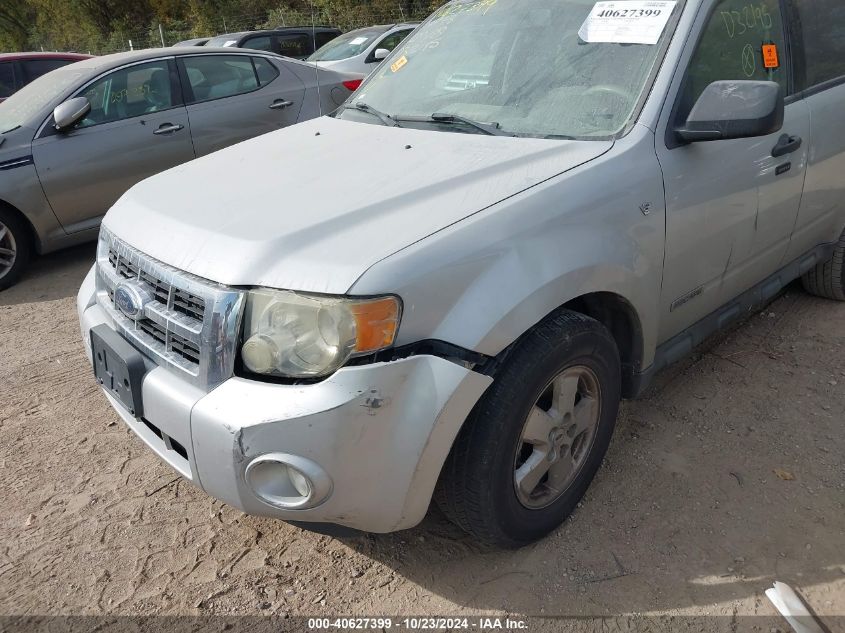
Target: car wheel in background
(828, 279)
(533, 444)
(15, 248)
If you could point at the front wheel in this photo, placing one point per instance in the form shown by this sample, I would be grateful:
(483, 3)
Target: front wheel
(14, 248)
(533, 444)
(828, 278)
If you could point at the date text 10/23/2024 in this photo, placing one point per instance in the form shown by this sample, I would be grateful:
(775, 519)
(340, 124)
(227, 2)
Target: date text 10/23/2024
(419, 624)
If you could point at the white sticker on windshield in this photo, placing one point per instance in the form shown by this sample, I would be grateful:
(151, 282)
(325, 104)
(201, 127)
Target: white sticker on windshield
(358, 40)
(627, 21)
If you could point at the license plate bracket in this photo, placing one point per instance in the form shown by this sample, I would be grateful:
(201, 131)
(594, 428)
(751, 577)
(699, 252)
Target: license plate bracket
(118, 367)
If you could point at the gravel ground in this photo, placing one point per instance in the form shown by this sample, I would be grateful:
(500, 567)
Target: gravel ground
(727, 476)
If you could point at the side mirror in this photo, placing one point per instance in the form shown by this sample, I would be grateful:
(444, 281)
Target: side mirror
(735, 109)
(71, 112)
(380, 54)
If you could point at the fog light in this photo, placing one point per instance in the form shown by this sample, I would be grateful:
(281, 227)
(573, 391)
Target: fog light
(299, 481)
(288, 481)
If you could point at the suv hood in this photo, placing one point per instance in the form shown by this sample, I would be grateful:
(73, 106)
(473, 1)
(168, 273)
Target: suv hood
(313, 206)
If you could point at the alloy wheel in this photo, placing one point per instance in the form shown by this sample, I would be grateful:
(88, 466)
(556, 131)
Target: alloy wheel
(557, 437)
(8, 250)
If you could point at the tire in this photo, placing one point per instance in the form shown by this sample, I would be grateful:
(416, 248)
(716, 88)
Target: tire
(828, 279)
(15, 247)
(478, 486)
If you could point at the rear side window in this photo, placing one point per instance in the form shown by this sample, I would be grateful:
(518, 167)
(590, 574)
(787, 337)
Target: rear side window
(217, 76)
(34, 68)
(7, 79)
(741, 40)
(295, 45)
(261, 43)
(265, 70)
(822, 24)
(321, 38)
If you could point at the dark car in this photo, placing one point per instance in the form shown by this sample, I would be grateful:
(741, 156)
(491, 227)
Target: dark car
(197, 41)
(18, 69)
(298, 42)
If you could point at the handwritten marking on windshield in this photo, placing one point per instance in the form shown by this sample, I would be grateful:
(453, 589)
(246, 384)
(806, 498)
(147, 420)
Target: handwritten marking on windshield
(748, 18)
(481, 6)
(749, 61)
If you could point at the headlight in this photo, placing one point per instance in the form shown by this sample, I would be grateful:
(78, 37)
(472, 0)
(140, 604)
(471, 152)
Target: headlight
(293, 335)
(103, 243)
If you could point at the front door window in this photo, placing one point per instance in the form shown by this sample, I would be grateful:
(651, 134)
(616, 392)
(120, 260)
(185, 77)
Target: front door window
(129, 92)
(743, 40)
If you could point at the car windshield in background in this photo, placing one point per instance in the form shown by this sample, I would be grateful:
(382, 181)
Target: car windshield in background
(221, 41)
(545, 68)
(346, 46)
(34, 97)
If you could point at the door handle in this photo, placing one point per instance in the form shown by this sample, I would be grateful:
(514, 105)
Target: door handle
(786, 145)
(280, 104)
(168, 128)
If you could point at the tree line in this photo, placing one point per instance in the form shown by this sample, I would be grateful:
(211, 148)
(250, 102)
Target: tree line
(104, 26)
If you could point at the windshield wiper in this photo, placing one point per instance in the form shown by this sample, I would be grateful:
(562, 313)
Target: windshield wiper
(381, 116)
(492, 129)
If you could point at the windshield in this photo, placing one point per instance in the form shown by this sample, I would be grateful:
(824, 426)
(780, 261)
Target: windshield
(545, 68)
(346, 46)
(222, 40)
(34, 97)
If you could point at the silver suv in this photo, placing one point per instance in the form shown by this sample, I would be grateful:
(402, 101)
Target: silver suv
(625, 179)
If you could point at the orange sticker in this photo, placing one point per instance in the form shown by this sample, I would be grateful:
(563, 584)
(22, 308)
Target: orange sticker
(770, 56)
(398, 64)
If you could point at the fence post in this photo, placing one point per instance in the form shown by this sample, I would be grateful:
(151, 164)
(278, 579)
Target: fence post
(130, 46)
(161, 33)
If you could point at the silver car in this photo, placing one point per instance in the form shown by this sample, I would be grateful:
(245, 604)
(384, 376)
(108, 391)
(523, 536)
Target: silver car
(362, 50)
(634, 176)
(73, 141)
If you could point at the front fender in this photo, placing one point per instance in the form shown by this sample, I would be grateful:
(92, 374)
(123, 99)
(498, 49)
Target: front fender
(21, 189)
(482, 283)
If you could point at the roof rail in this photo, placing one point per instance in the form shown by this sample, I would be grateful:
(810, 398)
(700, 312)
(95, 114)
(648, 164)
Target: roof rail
(305, 26)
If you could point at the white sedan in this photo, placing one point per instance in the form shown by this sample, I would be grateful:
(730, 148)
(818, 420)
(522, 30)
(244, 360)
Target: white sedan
(361, 50)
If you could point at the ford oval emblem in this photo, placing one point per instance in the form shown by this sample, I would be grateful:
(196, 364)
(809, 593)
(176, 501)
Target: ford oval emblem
(130, 297)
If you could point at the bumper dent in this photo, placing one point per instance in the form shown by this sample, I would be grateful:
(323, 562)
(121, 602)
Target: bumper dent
(381, 432)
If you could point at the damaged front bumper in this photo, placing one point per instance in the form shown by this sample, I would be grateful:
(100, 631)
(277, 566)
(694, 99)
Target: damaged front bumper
(372, 439)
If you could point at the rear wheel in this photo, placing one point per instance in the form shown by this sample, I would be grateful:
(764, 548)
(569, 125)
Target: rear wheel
(534, 442)
(828, 279)
(14, 248)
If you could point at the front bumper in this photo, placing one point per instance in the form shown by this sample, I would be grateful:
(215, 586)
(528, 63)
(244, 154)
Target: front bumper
(381, 432)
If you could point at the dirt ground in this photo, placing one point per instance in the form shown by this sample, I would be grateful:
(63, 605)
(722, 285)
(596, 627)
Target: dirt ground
(727, 476)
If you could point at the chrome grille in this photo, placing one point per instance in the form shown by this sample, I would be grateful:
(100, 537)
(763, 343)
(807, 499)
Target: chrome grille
(182, 346)
(186, 303)
(182, 301)
(188, 324)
